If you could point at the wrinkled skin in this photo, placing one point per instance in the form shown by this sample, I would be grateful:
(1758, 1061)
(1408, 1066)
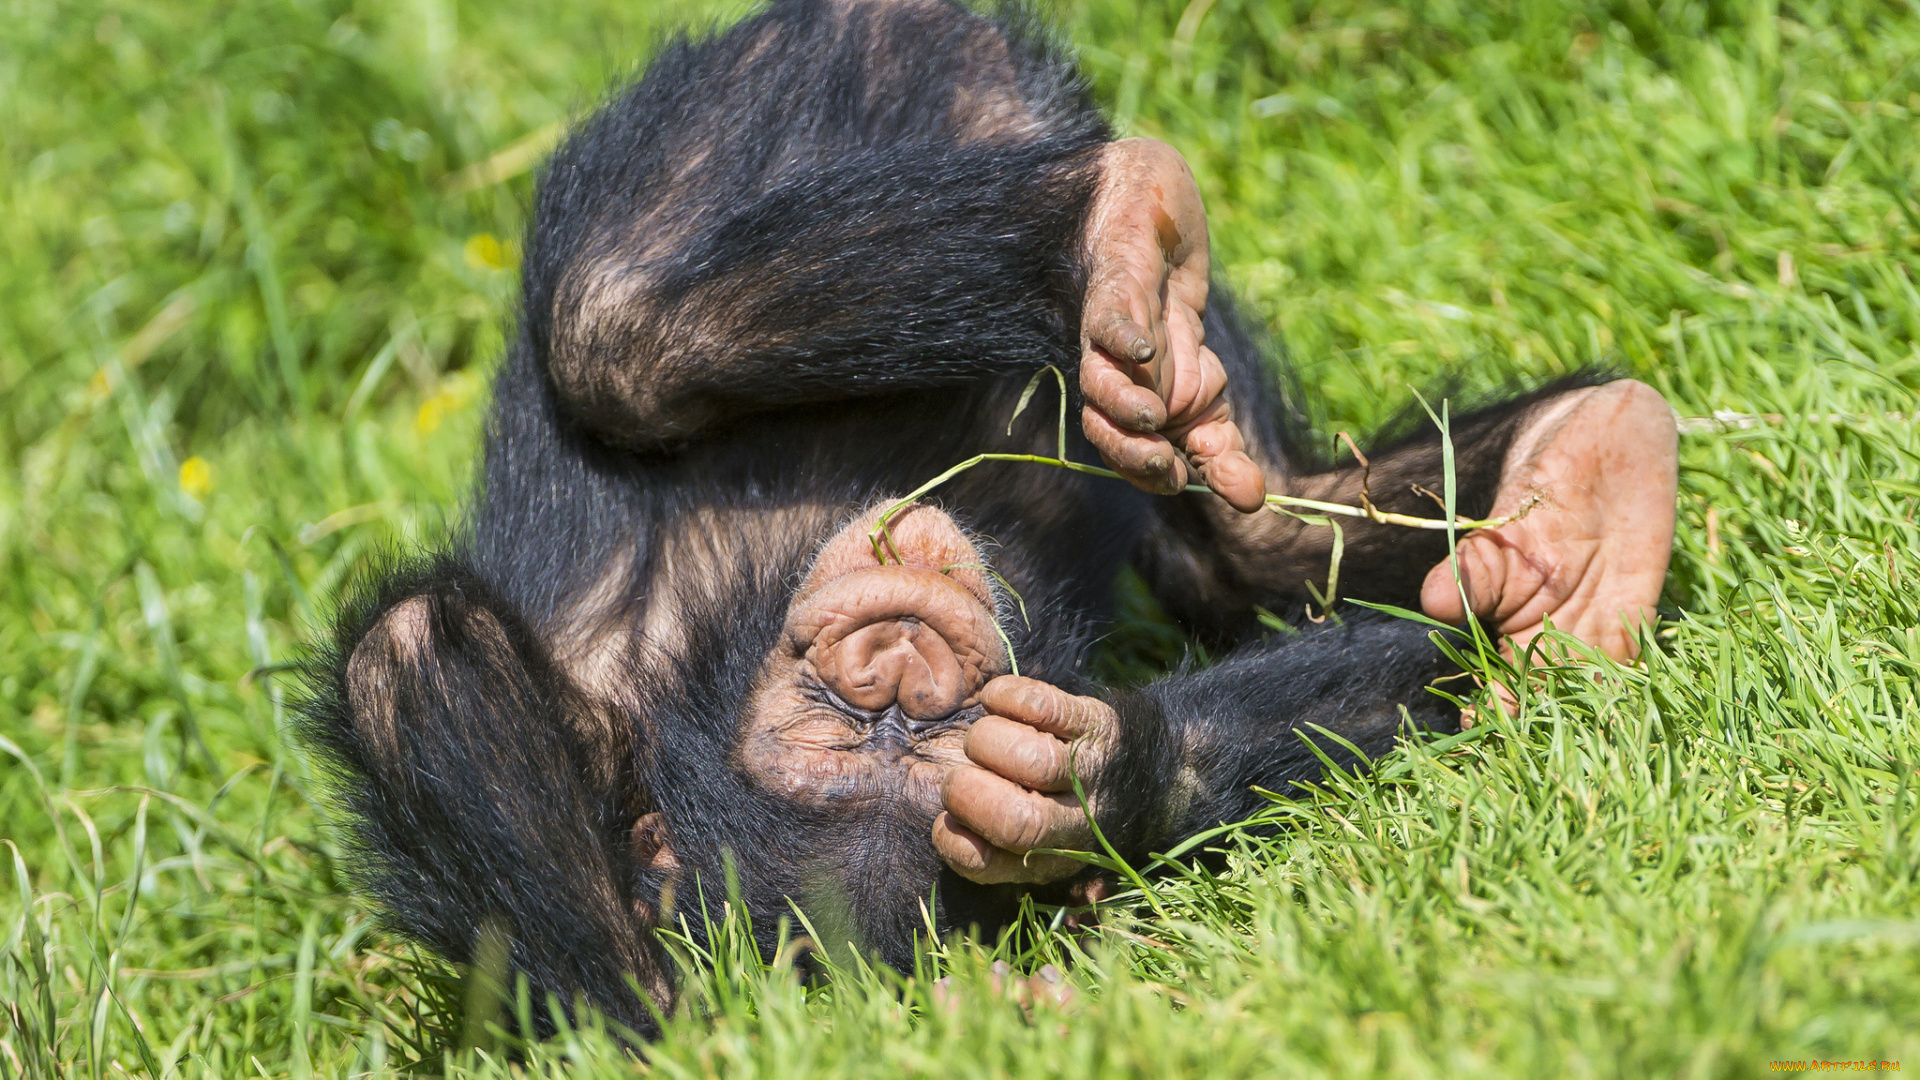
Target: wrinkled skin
(889, 683)
(1595, 474)
(1156, 407)
(872, 688)
(1015, 794)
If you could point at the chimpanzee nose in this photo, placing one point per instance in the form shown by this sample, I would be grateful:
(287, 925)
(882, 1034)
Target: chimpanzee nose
(902, 661)
(898, 634)
(917, 630)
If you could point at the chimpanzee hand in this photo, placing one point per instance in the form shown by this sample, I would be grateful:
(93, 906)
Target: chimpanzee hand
(1156, 403)
(1599, 467)
(1016, 794)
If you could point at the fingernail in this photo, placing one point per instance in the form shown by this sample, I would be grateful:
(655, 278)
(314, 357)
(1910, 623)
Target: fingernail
(1156, 463)
(1142, 350)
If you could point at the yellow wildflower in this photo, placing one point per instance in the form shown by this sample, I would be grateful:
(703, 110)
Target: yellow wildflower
(196, 477)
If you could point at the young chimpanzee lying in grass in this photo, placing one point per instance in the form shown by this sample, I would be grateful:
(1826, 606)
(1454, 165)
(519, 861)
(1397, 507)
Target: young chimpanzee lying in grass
(794, 272)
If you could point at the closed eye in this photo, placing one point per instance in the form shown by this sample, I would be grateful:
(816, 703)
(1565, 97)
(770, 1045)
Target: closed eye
(890, 722)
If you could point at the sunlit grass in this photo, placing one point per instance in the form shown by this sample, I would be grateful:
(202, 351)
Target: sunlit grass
(258, 264)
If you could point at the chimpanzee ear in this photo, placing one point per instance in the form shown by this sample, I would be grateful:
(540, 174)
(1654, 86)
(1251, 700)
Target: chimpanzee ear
(649, 845)
(651, 849)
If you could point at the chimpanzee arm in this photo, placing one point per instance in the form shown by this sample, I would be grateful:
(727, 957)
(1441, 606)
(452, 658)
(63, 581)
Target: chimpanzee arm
(478, 809)
(1182, 755)
(834, 201)
(817, 205)
(1205, 741)
(891, 270)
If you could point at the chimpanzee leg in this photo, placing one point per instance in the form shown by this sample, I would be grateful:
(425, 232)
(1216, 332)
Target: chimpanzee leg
(1585, 473)
(479, 806)
(830, 200)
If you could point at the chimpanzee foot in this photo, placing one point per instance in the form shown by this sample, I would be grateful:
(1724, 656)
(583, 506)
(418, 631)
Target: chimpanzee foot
(1593, 475)
(870, 689)
(1016, 795)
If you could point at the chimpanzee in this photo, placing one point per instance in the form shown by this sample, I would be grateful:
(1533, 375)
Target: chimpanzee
(799, 268)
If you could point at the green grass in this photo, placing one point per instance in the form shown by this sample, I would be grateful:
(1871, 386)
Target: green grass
(247, 309)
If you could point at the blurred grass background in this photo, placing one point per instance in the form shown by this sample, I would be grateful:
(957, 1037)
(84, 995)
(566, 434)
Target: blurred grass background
(258, 261)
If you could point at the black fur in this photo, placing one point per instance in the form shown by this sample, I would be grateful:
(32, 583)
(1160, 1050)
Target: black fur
(800, 267)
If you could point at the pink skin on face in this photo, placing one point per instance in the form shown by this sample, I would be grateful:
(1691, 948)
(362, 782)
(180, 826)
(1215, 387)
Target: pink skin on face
(864, 639)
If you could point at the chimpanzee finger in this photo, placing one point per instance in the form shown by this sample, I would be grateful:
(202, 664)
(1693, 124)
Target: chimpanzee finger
(1147, 461)
(1192, 379)
(1009, 816)
(1030, 758)
(1112, 329)
(1113, 388)
(1218, 451)
(978, 861)
(1047, 707)
(1234, 477)
(1483, 577)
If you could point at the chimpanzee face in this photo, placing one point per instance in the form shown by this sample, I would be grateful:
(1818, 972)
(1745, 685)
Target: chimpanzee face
(874, 679)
